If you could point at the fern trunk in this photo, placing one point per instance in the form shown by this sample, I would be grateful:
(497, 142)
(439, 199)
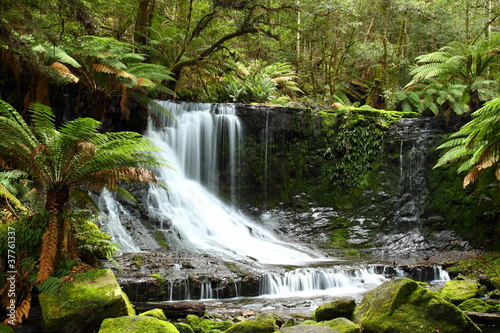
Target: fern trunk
(51, 239)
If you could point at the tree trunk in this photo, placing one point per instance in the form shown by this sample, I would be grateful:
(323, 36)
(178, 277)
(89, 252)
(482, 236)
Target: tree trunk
(143, 21)
(52, 238)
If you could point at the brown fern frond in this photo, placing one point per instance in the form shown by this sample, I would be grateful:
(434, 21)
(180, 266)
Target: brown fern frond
(497, 173)
(486, 162)
(471, 176)
(125, 74)
(140, 174)
(124, 102)
(283, 79)
(49, 249)
(40, 149)
(103, 68)
(64, 71)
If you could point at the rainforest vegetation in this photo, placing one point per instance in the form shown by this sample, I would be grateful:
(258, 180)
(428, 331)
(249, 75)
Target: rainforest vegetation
(78, 78)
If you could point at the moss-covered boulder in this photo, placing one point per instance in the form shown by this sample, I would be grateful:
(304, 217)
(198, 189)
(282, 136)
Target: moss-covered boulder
(403, 305)
(261, 325)
(183, 328)
(136, 324)
(342, 325)
(204, 325)
(477, 305)
(6, 329)
(458, 291)
(308, 329)
(342, 307)
(157, 313)
(85, 302)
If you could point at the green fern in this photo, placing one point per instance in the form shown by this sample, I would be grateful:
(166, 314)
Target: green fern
(476, 146)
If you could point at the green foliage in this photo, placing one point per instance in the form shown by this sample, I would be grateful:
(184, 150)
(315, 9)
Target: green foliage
(468, 65)
(433, 98)
(476, 146)
(92, 242)
(258, 82)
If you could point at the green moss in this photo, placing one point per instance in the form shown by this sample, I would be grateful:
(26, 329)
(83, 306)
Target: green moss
(160, 238)
(85, 302)
(342, 307)
(267, 325)
(403, 305)
(203, 325)
(183, 328)
(137, 324)
(342, 325)
(156, 313)
(477, 305)
(458, 291)
(485, 265)
(5, 328)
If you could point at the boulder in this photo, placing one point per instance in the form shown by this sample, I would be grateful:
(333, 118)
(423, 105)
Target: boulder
(403, 305)
(307, 329)
(204, 325)
(157, 313)
(477, 305)
(342, 325)
(183, 328)
(136, 324)
(85, 302)
(261, 325)
(342, 307)
(458, 291)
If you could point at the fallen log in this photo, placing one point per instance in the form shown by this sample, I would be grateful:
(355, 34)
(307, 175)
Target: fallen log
(173, 310)
(484, 318)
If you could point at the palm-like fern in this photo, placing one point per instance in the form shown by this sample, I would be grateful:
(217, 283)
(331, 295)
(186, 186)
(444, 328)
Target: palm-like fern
(67, 161)
(469, 65)
(257, 82)
(476, 146)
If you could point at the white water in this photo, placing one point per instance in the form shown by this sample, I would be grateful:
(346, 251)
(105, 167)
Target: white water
(320, 281)
(190, 208)
(111, 212)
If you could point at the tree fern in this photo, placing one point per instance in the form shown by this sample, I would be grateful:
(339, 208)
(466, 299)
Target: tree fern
(476, 146)
(63, 161)
(468, 65)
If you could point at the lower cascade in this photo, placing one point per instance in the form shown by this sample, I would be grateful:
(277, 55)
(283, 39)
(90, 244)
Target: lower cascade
(202, 143)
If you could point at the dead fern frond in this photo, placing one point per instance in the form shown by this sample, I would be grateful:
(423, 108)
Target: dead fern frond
(471, 176)
(64, 71)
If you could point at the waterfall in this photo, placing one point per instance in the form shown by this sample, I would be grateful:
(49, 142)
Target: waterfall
(111, 215)
(320, 280)
(193, 140)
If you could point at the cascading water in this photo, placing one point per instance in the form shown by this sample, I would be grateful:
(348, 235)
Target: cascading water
(202, 143)
(190, 207)
(111, 214)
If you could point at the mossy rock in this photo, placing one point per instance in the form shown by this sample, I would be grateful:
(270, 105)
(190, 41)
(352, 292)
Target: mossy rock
(477, 305)
(264, 325)
(157, 313)
(320, 328)
(458, 291)
(137, 324)
(183, 328)
(342, 325)
(203, 325)
(85, 302)
(496, 282)
(403, 305)
(342, 307)
(6, 328)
